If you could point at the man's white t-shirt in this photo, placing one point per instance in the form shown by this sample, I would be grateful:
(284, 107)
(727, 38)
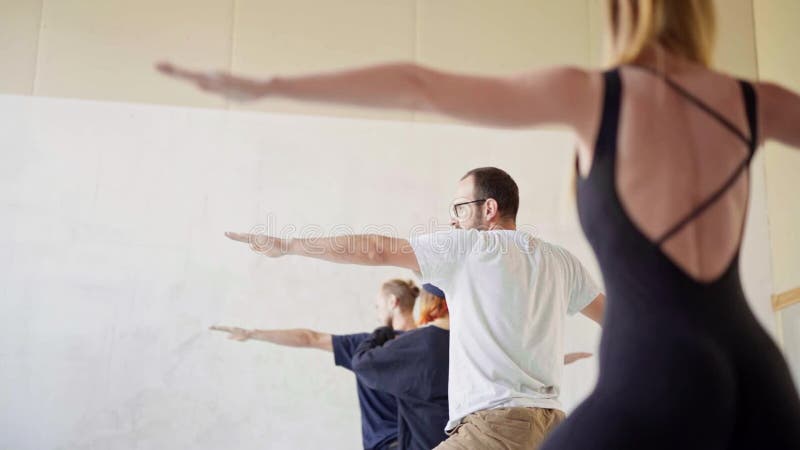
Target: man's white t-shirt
(508, 294)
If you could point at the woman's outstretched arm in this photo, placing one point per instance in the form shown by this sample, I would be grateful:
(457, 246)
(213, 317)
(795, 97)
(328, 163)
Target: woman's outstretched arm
(779, 110)
(558, 95)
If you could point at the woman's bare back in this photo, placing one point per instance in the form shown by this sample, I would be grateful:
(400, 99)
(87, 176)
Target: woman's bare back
(672, 156)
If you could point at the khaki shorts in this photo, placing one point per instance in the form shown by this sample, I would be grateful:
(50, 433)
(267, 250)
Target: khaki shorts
(503, 429)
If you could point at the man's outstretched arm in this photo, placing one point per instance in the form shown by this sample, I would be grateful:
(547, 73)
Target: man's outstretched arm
(596, 309)
(364, 249)
(302, 338)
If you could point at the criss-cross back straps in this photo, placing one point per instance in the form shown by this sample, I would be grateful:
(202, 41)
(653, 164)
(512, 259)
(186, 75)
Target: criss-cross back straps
(749, 97)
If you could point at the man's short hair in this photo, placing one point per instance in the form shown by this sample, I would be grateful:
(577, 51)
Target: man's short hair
(491, 182)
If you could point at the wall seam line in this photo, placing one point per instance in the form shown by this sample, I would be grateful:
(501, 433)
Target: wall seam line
(231, 53)
(36, 64)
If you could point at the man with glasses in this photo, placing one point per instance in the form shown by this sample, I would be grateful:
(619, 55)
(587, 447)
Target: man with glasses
(508, 293)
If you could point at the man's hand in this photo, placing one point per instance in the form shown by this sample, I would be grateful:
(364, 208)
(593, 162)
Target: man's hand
(570, 358)
(261, 243)
(222, 83)
(236, 334)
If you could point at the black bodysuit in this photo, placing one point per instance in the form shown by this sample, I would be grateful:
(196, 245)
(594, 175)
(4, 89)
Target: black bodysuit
(683, 364)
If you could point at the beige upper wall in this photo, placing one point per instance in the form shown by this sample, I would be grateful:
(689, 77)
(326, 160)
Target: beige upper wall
(777, 38)
(278, 36)
(505, 37)
(19, 37)
(735, 51)
(104, 49)
(502, 38)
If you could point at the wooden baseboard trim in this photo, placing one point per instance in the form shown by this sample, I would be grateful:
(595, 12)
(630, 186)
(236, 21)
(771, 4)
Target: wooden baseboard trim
(785, 299)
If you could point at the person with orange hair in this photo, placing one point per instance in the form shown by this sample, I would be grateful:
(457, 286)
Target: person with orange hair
(664, 143)
(414, 368)
(394, 305)
(431, 305)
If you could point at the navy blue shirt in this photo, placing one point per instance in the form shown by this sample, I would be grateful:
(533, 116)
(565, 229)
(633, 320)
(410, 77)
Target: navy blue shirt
(414, 368)
(378, 409)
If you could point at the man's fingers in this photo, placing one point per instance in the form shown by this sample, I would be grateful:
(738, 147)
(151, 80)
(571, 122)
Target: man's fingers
(261, 243)
(241, 237)
(257, 241)
(221, 328)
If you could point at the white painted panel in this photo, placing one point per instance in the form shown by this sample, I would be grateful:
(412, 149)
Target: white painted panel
(113, 264)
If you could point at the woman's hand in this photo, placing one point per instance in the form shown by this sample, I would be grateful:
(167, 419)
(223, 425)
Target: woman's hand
(228, 86)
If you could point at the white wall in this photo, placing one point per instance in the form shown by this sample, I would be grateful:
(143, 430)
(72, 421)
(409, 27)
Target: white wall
(790, 327)
(776, 33)
(113, 264)
(111, 257)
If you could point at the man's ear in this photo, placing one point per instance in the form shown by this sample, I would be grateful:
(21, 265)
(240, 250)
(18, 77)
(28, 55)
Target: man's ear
(393, 303)
(491, 209)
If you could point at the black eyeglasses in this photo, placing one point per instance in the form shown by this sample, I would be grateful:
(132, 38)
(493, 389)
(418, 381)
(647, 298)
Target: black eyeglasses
(458, 212)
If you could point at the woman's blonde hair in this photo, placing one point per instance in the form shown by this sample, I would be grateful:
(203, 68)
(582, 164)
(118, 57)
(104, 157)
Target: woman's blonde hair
(684, 28)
